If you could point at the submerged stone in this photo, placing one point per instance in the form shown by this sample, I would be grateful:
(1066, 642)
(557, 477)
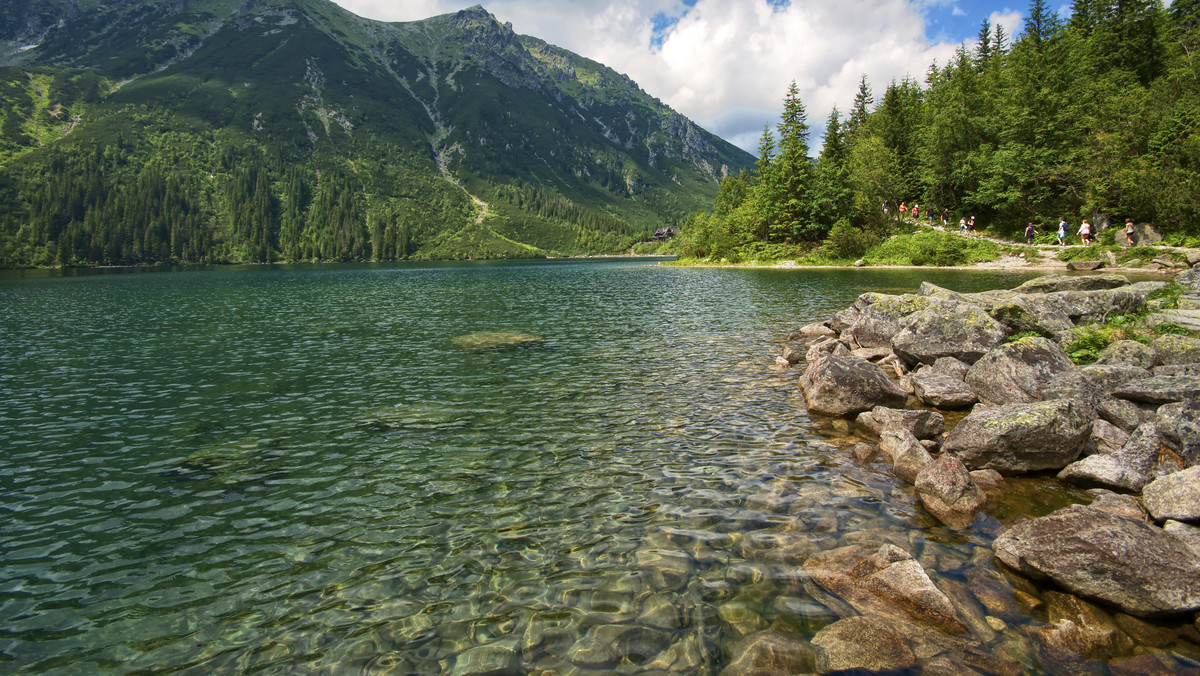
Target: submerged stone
(496, 341)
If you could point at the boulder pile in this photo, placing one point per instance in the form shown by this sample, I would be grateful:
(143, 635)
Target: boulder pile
(1129, 424)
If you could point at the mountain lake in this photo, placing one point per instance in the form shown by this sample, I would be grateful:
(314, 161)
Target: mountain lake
(541, 467)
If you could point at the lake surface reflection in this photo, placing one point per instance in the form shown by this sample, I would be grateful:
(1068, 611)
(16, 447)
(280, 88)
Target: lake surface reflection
(297, 468)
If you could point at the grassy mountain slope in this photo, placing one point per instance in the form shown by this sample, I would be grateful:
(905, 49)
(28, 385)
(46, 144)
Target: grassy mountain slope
(215, 130)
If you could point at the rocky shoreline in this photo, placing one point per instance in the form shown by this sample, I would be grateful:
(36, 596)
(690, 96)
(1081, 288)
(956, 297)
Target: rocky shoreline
(1126, 427)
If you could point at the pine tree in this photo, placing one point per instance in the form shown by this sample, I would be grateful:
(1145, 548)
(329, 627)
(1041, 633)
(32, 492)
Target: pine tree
(1041, 25)
(766, 153)
(859, 110)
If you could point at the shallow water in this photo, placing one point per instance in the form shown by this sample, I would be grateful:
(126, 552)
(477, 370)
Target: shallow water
(298, 468)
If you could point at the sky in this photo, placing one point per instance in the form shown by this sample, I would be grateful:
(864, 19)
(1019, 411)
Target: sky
(727, 63)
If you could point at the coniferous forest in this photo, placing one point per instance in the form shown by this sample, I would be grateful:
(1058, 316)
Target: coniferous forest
(1096, 116)
(136, 132)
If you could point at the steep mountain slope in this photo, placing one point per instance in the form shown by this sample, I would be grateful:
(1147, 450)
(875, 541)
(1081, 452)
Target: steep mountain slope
(215, 130)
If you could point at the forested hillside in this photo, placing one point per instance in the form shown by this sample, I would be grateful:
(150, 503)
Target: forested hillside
(139, 132)
(1095, 117)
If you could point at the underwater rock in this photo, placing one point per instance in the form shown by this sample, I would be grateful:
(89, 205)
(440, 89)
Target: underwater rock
(500, 340)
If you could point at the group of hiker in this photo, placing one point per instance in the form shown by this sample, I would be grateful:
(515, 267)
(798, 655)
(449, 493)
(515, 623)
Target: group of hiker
(966, 224)
(1084, 232)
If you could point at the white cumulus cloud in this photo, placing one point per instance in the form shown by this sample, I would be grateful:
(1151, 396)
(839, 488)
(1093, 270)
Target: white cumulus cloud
(726, 63)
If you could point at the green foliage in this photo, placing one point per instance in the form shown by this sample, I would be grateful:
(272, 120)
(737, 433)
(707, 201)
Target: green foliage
(1087, 344)
(1171, 328)
(1024, 334)
(931, 248)
(847, 241)
(1166, 298)
(145, 133)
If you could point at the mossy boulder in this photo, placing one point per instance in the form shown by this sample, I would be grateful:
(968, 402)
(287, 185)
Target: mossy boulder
(948, 329)
(1021, 438)
(1015, 373)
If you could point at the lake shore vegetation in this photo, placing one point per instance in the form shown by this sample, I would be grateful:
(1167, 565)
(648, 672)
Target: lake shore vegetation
(1097, 117)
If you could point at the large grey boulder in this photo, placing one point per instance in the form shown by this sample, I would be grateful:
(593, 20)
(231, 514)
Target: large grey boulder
(1093, 383)
(1129, 353)
(1016, 373)
(921, 424)
(948, 491)
(1020, 438)
(1129, 564)
(1180, 427)
(1055, 283)
(1172, 349)
(1175, 496)
(941, 390)
(1087, 307)
(879, 317)
(1160, 389)
(948, 329)
(1189, 278)
(841, 386)
(1129, 469)
(1025, 313)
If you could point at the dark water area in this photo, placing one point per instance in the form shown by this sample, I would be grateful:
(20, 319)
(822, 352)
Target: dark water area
(299, 469)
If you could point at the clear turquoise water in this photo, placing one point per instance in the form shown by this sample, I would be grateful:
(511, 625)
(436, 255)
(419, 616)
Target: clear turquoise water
(295, 469)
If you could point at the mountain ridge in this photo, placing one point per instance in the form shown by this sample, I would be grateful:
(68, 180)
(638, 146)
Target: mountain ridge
(568, 155)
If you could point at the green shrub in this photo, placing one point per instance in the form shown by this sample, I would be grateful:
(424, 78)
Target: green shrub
(1107, 237)
(933, 248)
(1171, 328)
(846, 241)
(1024, 334)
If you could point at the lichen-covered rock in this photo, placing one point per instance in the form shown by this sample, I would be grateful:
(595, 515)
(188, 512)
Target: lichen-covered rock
(815, 330)
(921, 424)
(1056, 283)
(1179, 425)
(1132, 565)
(1172, 349)
(947, 329)
(940, 390)
(1160, 389)
(1175, 496)
(1129, 469)
(1129, 353)
(1125, 415)
(1019, 438)
(880, 316)
(949, 492)
(1025, 313)
(1087, 307)
(842, 386)
(1091, 384)
(1106, 438)
(1015, 373)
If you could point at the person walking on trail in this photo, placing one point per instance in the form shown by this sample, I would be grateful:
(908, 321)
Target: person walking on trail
(1085, 232)
(962, 224)
(1129, 231)
(916, 212)
(1030, 231)
(1062, 232)
(971, 225)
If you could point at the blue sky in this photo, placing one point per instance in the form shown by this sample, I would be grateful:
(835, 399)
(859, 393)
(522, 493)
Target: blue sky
(727, 63)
